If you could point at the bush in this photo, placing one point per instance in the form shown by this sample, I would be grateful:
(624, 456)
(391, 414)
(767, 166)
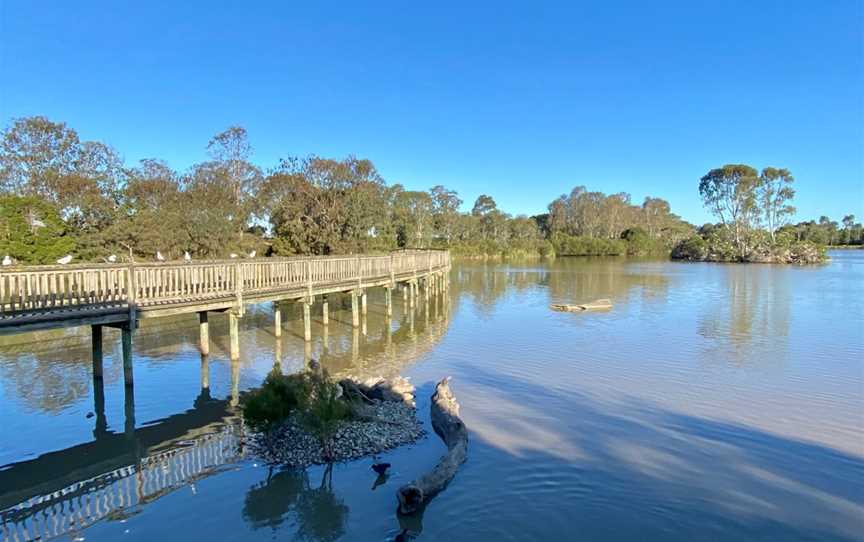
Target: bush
(695, 249)
(325, 410)
(569, 245)
(275, 400)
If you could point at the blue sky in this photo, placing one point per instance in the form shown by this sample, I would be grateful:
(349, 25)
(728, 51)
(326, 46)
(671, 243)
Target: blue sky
(522, 101)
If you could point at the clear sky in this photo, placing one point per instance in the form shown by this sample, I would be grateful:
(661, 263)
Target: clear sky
(522, 101)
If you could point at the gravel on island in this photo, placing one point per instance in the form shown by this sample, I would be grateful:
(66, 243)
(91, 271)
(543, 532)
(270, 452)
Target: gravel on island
(291, 445)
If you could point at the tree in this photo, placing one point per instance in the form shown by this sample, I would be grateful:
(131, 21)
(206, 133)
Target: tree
(656, 212)
(230, 151)
(32, 232)
(413, 218)
(775, 193)
(446, 205)
(484, 205)
(730, 193)
(848, 225)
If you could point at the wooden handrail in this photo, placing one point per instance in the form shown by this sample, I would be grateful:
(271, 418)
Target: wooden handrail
(106, 286)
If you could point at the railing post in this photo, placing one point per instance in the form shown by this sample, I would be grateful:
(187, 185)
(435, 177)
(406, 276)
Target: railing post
(392, 272)
(238, 287)
(132, 295)
(309, 277)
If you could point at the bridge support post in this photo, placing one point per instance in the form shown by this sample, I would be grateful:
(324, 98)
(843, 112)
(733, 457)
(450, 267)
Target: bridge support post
(96, 343)
(363, 309)
(129, 412)
(205, 372)
(355, 313)
(307, 320)
(277, 320)
(325, 311)
(126, 339)
(234, 332)
(235, 382)
(203, 333)
(388, 300)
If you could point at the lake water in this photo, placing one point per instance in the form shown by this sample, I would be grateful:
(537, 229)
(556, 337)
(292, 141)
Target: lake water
(714, 402)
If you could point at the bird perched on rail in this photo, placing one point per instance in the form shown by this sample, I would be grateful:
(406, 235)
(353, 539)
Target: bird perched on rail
(186, 256)
(159, 256)
(232, 255)
(112, 258)
(65, 259)
(253, 253)
(7, 260)
(380, 468)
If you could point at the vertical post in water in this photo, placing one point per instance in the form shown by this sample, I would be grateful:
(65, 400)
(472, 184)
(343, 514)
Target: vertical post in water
(307, 319)
(126, 336)
(234, 332)
(277, 320)
(96, 342)
(129, 411)
(325, 311)
(205, 372)
(388, 300)
(203, 333)
(355, 313)
(235, 382)
(363, 309)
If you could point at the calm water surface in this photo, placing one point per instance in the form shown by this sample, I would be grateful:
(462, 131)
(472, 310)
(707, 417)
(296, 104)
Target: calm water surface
(714, 402)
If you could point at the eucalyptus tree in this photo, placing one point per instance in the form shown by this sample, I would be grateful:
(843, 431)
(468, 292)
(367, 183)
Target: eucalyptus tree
(774, 193)
(445, 212)
(730, 193)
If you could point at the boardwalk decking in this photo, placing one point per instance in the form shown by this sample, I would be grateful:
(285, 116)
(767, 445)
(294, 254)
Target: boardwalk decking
(41, 297)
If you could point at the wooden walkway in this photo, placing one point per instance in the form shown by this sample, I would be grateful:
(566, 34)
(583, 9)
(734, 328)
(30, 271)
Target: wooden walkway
(45, 297)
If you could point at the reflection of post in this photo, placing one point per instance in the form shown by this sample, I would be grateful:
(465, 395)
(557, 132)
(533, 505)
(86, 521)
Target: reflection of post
(411, 322)
(325, 340)
(99, 407)
(307, 353)
(277, 320)
(363, 329)
(426, 313)
(388, 331)
(234, 332)
(96, 342)
(129, 411)
(203, 333)
(126, 339)
(355, 345)
(205, 372)
(277, 362)
(235, 382)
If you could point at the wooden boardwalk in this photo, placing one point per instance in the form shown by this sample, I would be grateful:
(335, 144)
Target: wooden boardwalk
(45, 297)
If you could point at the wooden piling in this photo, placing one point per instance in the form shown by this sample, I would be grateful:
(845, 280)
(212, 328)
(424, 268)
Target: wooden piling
(96, 343)
(325, 311)
(307, 320)
(234, 332)
(126, 340)
(203, 333)
(388, 300)
(363, 308)
(355, 313)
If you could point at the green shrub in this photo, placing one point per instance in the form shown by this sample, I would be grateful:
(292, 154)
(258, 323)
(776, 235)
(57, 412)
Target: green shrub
(272, 403)
(695, 248)
(325, 409)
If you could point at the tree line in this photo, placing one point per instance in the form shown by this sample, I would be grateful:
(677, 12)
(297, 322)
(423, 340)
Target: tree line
(62, 195)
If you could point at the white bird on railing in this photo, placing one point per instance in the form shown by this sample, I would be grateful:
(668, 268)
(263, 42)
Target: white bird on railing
(112, 258)
(253, 253)
(65, 259)
(7, 260)
(186, 256)
(232, 255)
(159, 256)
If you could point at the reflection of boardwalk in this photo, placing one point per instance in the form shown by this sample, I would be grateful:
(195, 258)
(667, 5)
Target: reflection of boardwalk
(115, 494)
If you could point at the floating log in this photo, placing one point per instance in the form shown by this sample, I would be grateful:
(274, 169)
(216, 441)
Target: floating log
(395, 389)
(414, 496)
(599, 305)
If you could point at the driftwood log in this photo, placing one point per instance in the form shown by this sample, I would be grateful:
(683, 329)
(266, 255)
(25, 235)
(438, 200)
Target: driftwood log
(599, 305)
(447, 423)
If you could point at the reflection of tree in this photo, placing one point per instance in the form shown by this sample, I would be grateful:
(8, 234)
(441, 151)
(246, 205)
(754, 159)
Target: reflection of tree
(487, 283)
(320, 515)
(586, 279)
(756, 305)
(47, 384)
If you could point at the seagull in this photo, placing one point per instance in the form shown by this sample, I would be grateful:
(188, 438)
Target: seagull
(7, 260)
(380, 468)
(65, 259)
(159, 256)
(252, 254)
(36, 223)
(112, 258)
(232, 255)
(186, 256)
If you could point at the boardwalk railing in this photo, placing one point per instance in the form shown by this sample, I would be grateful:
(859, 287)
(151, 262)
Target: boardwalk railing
(39, 289)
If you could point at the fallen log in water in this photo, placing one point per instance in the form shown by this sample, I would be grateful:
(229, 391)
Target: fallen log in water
(599, 305)
(446, 422)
